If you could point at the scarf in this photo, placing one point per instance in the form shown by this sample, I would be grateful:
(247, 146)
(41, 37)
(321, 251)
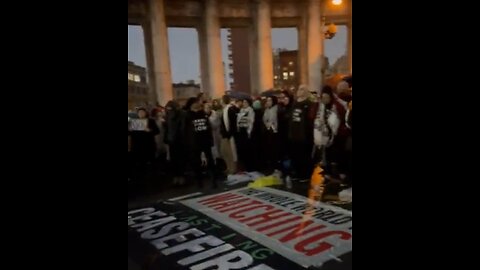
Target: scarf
(270, 118)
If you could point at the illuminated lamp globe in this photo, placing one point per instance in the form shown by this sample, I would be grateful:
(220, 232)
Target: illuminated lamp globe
(332, 28)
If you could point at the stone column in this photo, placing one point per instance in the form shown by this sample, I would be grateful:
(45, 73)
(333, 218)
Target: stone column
(161, 57)
(147, 36)
(315, 46)
(202, 46)
(216, 81)
(264, 45)
(349, 38)
(252, 44)
(302, 50)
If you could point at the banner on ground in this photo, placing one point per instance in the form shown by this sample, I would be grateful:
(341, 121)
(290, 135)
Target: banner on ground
(254, 229)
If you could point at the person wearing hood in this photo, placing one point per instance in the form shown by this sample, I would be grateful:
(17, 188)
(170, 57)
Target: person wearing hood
(271, 136)
(245, 122)
(174, 126)
(199, 141)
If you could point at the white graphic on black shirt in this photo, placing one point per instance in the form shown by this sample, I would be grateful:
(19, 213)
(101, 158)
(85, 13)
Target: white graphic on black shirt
(200, 125)
(297, 115)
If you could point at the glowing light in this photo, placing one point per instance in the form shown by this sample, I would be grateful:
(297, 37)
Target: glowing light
(337, 2)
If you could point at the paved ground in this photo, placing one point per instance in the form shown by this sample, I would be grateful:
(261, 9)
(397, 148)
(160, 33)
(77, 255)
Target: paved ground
(158, 185)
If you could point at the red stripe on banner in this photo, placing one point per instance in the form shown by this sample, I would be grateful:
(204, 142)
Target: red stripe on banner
(321, 247)
(236, 215)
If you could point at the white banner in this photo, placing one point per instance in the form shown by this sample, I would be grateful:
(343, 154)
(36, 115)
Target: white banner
(307, 232)
(138, 124)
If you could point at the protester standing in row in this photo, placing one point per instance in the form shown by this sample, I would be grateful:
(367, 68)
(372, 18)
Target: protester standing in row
(301, 133)
(228, 128)
(270, 134)
(215, 123)
(142, 138)
(174, 127)
(326, 127)
(199, 142)
(245, 121)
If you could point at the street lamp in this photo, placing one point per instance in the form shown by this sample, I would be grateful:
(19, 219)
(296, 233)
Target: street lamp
(330, 31)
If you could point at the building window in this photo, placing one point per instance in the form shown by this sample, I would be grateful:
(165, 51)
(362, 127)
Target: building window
(130, 76)
(285, 68)
(285, 76)
(292, 74)
(275, 77)
(290, 63)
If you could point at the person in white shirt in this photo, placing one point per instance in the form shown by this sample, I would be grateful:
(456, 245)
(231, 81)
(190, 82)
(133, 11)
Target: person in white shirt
(326, 125)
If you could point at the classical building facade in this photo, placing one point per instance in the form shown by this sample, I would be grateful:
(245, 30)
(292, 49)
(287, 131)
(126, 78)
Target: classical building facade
(258, 16)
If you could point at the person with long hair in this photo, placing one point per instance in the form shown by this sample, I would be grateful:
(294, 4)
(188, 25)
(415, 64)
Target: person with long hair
(245, 121)
(285, 102)
(270, 134)
(325, 126)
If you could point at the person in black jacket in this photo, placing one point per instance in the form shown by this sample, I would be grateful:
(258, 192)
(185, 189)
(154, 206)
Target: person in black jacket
(174, 126)
(227, 129)
(271, 140)
(199, 141)
(142, 134)
(285, 103)
(300, 132)
(258, 160)
(245, 122)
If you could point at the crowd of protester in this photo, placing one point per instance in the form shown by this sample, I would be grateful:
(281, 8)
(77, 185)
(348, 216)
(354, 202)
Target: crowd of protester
(285, 132)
